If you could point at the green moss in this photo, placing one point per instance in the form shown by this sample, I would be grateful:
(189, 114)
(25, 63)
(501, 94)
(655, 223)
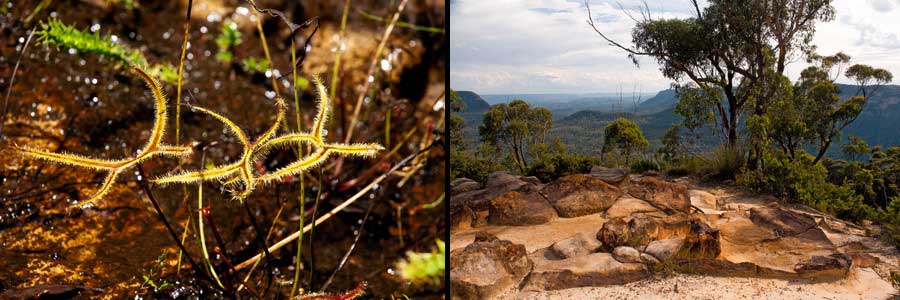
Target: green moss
(228, 38)
(254, 64)
(54, 32)
(427, 267)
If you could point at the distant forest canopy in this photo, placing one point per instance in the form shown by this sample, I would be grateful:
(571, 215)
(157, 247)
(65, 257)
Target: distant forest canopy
(580, 128)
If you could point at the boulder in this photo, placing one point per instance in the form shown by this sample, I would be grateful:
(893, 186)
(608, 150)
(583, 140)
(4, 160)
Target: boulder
(664, 249)
(596, 269)
(649, 259)
(698, 239)
(462, 185)
(461, 219)
(766, 246)
(579, 195)
(626, 254)
(502, 180)
(487, 268)
(578, 245)
(667, 196)
(614, 176)
(627, 206)
(476, 200)
(515, 208)
(824, 267)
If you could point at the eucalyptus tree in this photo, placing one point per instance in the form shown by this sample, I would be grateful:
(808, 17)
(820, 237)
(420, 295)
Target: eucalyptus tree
(516, 128)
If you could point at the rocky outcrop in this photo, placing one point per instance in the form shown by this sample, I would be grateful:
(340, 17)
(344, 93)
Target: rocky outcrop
(463, 185)
(824, 267)
(470, 200)
(578, 245)
(516, 208)
(487, 268)
(579, 195)
(664, 249)
(613, 176)
(627, 206)
(666, 196)
(626, 254)
(595, 269)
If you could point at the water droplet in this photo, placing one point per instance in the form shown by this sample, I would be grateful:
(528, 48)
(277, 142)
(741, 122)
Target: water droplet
(268, 73)
(217, 84)
(439, 105)
(95, 99)
(213, 17)
(167, 35)
(52, 14)
(190, 55)
(21, 40)
(385, 65)
(242, 10)
(32, 114)
(95, 27)
(94, 81)
(391, 271)
(203, 29)
(270, 94)
(114, 38)
(72, 51)
(371, 79)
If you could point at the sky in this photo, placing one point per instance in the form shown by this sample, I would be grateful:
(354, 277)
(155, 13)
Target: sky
(546, 46)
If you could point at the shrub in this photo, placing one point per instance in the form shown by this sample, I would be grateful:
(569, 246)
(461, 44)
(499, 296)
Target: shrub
(644, 165)
(552, 166)
(803, 181)
(724, 163)
(684, 166)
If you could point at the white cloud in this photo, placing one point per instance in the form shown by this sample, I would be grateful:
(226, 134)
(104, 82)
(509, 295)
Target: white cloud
(545, 46)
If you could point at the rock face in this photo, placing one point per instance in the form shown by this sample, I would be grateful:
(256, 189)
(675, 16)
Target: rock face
(462, 185)
(627, 206)
(487, 268)
(627, 254)
(833, 266)
(462, 218)
(614, 176)
(515, 208)
(579, 195)
(667, 196)
(578, 245)
(664, 249)
(595, 269)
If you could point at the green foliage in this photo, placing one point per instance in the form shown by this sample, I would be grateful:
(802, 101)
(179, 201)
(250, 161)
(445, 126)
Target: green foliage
(229, 37)
(154, 271)
(645, 165)
(623, 138)
(475, 164)
(689, 165)
(555, 163)
(254, 64)
(515, 127)
(724, 163)
(427, 267)
(804, 181)
(58, 34)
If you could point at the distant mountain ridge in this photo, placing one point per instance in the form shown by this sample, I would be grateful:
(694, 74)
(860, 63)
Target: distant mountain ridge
(474, 102)
(579, 123)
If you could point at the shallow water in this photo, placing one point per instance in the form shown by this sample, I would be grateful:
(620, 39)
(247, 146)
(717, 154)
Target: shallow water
(63, 100)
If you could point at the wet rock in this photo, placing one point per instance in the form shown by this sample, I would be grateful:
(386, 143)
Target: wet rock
(614, 176)
(824, 267)
(596, 269)
(462, 185)
(667, 196)
(578, 245)
(515, 208)
(46, 291)
(579, 195)
(627, 254)
(664, 249)
(627, 206)
(487, 268)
